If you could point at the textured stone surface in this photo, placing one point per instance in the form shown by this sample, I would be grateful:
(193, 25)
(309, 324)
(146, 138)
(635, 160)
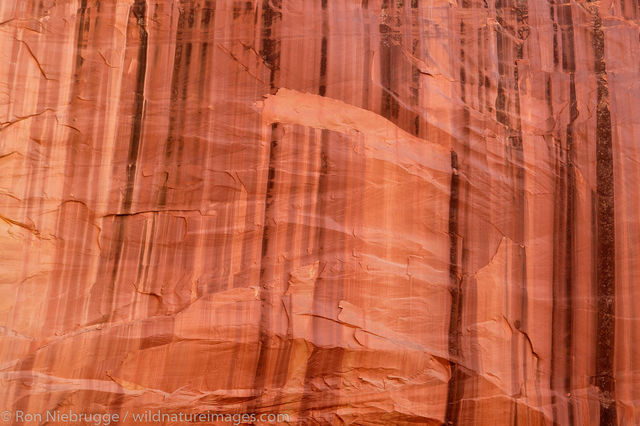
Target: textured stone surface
(351, 211)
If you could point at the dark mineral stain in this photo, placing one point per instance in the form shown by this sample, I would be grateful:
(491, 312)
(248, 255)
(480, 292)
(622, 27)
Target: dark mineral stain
(605, 245)
(270, 53)
(138, 12)
(455, 385)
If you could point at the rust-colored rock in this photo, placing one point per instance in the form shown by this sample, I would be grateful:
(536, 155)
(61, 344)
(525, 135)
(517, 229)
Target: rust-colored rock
(346, 211)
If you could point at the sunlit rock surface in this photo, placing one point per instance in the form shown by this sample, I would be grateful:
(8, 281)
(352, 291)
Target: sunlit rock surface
(350, 211)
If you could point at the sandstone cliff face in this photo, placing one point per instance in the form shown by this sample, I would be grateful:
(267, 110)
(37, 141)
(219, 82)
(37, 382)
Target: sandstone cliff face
(350, 211)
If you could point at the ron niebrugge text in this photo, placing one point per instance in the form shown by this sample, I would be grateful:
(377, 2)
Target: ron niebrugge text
(149, 416)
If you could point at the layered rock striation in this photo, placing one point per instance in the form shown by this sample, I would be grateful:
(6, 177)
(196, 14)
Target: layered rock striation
(349, 211)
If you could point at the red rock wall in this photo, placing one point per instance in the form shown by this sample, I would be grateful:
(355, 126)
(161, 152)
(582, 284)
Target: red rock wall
(350, 211)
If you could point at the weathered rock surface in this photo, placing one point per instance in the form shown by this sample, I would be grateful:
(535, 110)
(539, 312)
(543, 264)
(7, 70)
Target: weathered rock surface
(351, 211)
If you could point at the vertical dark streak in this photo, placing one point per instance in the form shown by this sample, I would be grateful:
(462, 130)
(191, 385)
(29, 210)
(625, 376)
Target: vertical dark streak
(503, 117)
(501, 98)
(570, 241)
(80, 44)
(481, 68)
(183, 110)
(208, 14)
(414, 87)
(140, 263)
(455, 386)
(605, 246)
(138, 10)
(265, 321)
(389, 39)
(366, 67)
(322, 361)
(270, 49)
(568, 49)
(556, 340)
(522, 17)
(552, 13)
(515, 156)
(207, 17)
(322, 91)
(564, 220)
(175, 88)
(178, 100)
(388, 101)
(270, 53)
(323, 67)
